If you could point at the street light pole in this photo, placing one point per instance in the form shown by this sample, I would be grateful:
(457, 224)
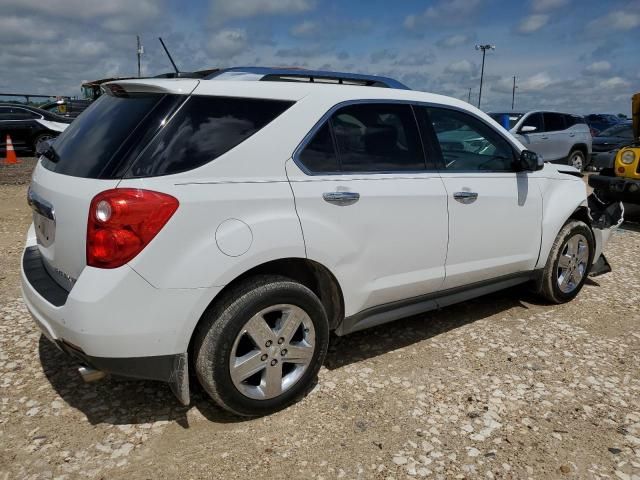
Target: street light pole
(513, 93)
(484, 49)
(139, 52)
(469, 101)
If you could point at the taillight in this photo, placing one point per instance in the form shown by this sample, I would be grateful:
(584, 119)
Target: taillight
(122, 222)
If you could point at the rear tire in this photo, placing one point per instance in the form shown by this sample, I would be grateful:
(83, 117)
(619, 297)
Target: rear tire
(39, 139)
(577, 160)
(568, 263)
(260, 347)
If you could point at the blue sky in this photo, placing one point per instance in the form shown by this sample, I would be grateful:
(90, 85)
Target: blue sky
(570, 55)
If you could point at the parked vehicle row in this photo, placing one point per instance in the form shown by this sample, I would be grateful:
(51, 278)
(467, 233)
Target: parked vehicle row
(265, 213)
(28, 126)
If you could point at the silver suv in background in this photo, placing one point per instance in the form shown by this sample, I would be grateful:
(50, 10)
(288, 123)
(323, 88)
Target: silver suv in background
(557, 137)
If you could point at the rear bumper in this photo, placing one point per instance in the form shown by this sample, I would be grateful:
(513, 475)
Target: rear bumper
(616, 188)
(115, 321)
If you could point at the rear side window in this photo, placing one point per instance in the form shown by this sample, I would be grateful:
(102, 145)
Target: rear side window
(362, 138)
(377, 137)
(553, 122)
(202, 130)
(320, 154)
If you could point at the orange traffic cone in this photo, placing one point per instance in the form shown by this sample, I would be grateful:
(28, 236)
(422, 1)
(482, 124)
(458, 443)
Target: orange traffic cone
(11, 158)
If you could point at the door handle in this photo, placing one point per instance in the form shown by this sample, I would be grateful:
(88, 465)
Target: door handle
(341, 198)
(465, 197)
(544, 137)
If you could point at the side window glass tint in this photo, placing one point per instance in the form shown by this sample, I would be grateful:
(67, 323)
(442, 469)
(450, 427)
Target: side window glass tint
(469, 144)
(204, 129)
(534, 120)
(319, 155)
(553, 122)
(377, 138)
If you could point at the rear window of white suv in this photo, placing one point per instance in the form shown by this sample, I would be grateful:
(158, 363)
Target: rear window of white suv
(156, 134)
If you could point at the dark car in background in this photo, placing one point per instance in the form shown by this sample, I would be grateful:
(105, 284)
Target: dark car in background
(607, 143)
(66, 107)
(28, 126)
(601, 121)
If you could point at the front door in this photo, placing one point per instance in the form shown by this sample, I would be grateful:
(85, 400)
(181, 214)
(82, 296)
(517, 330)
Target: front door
(494, 213)
(370, 208)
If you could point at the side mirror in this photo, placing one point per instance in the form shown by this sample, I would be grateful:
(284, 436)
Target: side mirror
(528, 129)
(530, 161)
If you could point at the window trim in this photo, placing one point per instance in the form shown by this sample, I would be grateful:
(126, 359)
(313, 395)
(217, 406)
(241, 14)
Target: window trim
(432, 165)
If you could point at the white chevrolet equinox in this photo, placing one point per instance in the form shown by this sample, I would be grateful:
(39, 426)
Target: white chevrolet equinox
(224, 227)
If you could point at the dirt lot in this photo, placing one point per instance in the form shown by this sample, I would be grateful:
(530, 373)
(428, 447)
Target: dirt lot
(501, 387)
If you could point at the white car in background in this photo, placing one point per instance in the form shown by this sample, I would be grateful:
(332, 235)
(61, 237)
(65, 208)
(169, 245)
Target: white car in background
(556, 137)
(226, 227)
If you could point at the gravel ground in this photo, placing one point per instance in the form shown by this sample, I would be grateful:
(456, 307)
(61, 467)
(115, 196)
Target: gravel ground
(501, 387)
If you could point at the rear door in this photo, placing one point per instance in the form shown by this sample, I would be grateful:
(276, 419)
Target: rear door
(495, 213)
(557, 137)
(372, 209)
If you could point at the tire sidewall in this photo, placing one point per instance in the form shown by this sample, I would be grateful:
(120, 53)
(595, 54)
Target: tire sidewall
(577, 228)
(218, 343)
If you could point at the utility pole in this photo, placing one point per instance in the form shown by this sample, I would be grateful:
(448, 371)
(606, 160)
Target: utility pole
(513, 93)
(469, 101)
(140, 51)
(484, 49)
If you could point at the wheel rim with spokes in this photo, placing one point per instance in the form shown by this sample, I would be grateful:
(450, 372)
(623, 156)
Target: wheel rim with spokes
(576, 161)
(572, 264)
(272, 351)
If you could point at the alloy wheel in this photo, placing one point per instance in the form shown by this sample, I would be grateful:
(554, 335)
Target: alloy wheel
(272, 351)
(572, 264)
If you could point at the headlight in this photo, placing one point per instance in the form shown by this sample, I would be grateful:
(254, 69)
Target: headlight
(628, 157)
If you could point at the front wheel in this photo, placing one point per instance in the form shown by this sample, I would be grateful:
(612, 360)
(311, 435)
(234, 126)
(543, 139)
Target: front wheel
(261, 346)
(577, 160)
(569, 263)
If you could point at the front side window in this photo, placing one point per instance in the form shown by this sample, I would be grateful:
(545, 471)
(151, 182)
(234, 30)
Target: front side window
(469, 144)
(534, 120)
(377, 137)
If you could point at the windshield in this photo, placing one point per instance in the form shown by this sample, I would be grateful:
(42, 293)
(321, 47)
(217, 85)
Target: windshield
(507, 120)
(623, 131)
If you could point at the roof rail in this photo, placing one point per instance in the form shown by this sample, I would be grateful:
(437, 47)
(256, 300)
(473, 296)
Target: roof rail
(267, 74)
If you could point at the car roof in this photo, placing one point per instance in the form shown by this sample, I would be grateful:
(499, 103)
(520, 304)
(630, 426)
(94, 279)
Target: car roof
(293, 91)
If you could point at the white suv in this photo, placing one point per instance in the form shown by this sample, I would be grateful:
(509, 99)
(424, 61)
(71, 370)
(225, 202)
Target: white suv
(225, 228)
(556, 137)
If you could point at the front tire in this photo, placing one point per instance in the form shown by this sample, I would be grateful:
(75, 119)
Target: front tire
(577, 160)
(568, 263)
(261, 346)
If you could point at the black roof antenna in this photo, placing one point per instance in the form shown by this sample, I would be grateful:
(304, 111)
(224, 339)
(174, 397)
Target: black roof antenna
(169, 55)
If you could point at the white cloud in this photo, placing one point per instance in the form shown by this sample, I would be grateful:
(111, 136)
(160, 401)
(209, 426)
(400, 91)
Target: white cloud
(616, 21)
(455, 40)
(547, 5)
(533, 23)
(598, 67)
(615, 82)
(446, 11)
(228, 43)
(460, 67)
(223, 10)
(537, 82)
